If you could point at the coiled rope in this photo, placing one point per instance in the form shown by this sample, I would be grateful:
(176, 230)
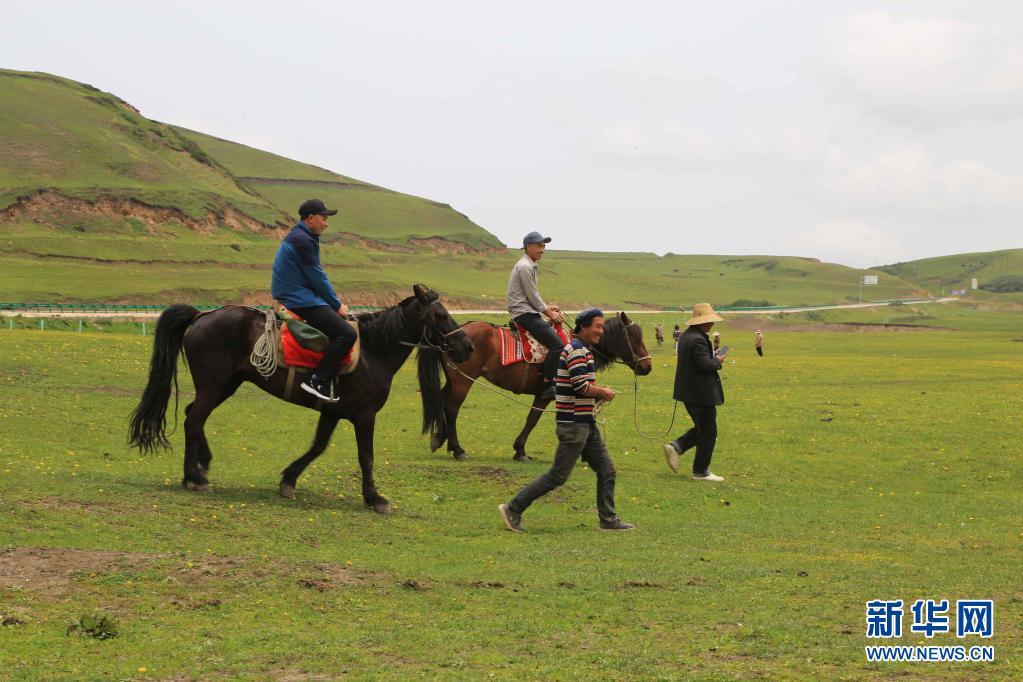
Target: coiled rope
(264, 353)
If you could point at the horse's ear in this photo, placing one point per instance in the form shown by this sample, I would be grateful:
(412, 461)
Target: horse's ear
(624, 318)
(424, 293)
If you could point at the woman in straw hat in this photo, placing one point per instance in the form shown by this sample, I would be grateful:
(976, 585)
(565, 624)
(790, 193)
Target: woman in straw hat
(698, 386)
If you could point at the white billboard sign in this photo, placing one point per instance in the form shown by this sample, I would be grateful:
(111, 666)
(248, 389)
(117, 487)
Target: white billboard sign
(870, 279)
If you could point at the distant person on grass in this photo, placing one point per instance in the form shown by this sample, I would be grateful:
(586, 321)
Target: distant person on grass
(698, 386)
(301, 285)
(525, 306)
(578, 435)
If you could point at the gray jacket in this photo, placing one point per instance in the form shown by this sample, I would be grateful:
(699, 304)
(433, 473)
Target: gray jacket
(523, 296)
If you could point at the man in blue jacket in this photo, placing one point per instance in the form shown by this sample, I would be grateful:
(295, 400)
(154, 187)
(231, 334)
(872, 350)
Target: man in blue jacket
(301, 285)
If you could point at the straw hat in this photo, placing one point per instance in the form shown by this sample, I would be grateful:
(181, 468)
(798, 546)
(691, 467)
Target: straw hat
(702, 312)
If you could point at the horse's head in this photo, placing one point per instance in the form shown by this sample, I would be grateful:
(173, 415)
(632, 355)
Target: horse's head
(623, 342)
(439, 328)
(640, 360)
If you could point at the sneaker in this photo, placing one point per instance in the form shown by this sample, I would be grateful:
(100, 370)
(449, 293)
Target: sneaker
(319, 388)
(616, 524)
(548, 393)
(707, 477)
(511, 519)
(671, 456)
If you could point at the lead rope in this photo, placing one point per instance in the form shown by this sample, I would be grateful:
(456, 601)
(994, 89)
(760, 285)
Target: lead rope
(635, 414)
(264, 352)
(492, 389)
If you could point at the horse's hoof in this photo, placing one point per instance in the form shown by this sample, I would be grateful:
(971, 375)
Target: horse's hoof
(522, 457)
(380, 506)
(288, 491)
(435, 442)
(198, 487)
(460, 456)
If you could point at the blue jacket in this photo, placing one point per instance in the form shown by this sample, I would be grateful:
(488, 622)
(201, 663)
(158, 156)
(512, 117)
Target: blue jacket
(298, 278)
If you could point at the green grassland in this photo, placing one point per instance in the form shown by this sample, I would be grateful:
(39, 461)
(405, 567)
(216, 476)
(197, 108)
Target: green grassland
(87, 258)
(858, 466)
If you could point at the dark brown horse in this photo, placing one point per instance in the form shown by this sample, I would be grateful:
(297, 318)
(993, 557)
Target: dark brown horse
(622, 343)
(218, 345)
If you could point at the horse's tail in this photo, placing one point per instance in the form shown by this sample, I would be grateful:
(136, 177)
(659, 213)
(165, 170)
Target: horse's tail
(148, 428)
(428, 363)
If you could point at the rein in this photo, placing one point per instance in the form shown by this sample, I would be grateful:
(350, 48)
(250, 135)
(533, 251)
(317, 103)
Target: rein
(631, 364)
(635, 385)
(425, 342)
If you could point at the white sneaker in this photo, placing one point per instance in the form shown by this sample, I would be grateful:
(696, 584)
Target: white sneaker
(671, 456)
(709, 477)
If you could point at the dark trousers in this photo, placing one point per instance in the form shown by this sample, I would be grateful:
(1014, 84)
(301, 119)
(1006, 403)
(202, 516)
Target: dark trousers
(341, 334)
(703, 435)
(575, 440)
(546, 335)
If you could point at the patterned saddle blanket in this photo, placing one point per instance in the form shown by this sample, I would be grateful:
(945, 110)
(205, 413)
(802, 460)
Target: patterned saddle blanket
(302, 345)
(532, 352)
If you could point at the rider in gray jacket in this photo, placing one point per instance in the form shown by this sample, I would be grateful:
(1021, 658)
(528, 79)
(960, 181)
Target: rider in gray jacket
(525, 305)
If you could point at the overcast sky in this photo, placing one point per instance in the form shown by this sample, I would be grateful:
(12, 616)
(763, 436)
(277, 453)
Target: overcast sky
(855, 133)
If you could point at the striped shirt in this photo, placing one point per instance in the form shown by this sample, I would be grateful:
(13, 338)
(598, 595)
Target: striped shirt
(575, 372)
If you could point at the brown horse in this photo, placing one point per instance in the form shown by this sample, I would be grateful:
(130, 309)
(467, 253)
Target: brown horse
(622, 343)
(218, 346)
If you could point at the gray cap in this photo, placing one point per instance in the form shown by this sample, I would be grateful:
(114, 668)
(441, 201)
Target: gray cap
(535, 238)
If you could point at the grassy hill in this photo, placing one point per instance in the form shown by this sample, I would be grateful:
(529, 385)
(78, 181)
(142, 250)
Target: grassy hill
(73, 140)
(955, 272)
(391, 218)
(72, 151)
(100, 204)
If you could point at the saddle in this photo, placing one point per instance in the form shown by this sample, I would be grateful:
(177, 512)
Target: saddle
(302, 345)
(518, 345)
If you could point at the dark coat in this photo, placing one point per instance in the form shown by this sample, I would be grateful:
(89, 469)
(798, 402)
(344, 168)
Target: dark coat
(696, 375)
(298, 279)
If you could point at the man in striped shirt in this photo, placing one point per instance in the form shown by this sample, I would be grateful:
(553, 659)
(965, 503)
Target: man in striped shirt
(578, 435)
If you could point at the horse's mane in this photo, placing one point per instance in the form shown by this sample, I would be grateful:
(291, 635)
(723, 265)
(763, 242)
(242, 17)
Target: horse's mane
(613, 345)
(381, 328)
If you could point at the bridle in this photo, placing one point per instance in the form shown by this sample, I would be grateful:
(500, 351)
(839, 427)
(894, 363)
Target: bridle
(427, 338)
(631, 364)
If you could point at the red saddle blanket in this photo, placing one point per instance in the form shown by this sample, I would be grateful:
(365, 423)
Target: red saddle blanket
(297, 356)
(533, 352)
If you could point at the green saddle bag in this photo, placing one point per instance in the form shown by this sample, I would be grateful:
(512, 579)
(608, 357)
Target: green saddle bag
(308, 336)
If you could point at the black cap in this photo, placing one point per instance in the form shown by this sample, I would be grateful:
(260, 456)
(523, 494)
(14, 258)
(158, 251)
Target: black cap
(584, 316)
(314, 207)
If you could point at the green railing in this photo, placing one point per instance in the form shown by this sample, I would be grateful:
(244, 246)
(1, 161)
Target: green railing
(113, 308)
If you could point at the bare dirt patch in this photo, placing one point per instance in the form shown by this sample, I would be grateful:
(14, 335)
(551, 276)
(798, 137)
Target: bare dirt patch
(43, 204)
(494, 474)
(52, 570)
(61, 504)
(442, 245)
(372, 244)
